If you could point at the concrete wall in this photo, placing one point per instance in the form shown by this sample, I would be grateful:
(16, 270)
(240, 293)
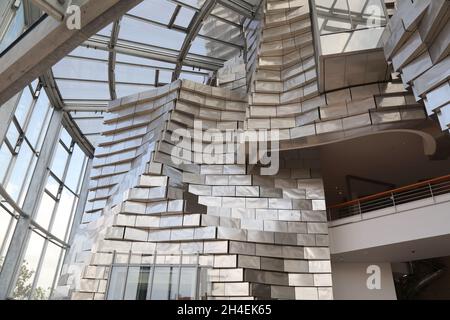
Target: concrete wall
(416, 223)
(350, 282)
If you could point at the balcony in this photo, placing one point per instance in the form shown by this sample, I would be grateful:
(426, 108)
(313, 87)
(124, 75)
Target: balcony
(393, 201)
(405, 224)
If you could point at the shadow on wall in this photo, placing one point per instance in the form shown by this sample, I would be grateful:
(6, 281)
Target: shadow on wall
(380, 162)
(423, 280)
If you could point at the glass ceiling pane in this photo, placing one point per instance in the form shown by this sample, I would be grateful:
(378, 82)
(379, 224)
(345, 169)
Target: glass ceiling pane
(156, 10)
(142, 61)
(133, 73)
(89, 53)
(184, 17)
(126, 73)
(78, 68)
(192, 3)
(106, 31)
(124, 90)
(143, 32)
(75, 90)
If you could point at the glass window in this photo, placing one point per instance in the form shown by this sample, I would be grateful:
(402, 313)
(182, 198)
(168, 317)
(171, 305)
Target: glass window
(37, 120)
(27, 272)
(18, 155)
(15, 29)
(23, 107)
(59, 161)
(63, 214)
(5, 159)
(165, 283)
(22, 167)
(38, 270)
(138, 283)
(50, 263)
(13, 135)
(117, 283)
(52, 186)
(7, 226)
(24, 138)
(76, 169)
(188, 284)
(60, 199)
(45, 212)
(66, 138)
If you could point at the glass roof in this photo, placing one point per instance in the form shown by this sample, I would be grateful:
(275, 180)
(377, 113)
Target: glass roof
(142, 49)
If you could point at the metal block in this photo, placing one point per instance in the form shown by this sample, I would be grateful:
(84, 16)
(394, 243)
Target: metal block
(251, 262)
(294, 194)
(292, 252)
(267, 214)
(242, 248)
(159, 235)
(316, 253)
(231, 275)
(171, 221)
(280, 203)
(216, 247)
(231, 234)
(233, 202)
(282, 292)
(314, 216)
(325, 293)
(306, 293)
(200, 190)
(247, 191)
(252, 224)
(289, 215)
(240, 180)
(301, 280)
(285, 238)
(302, 204)
(268, 250)
(135, 234)
(276, 226)
(217, 180)
(260, 236)
(256, 203)
(317, 227)
(323, 280)
(322, 240)
(182, 234)
(224, 191)
(296, 227)
(319, 266)
(237, 289)
(272, 264)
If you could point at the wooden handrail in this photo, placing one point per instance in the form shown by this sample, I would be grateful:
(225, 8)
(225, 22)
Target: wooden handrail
(385, 193)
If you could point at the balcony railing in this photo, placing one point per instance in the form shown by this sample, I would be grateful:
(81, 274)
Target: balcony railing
(392, 198)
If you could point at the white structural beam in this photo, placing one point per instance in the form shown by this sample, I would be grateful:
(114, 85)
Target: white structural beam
(51, 40)
(54, 8)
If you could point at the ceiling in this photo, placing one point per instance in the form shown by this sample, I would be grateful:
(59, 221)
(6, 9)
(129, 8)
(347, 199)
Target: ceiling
(155, 43)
